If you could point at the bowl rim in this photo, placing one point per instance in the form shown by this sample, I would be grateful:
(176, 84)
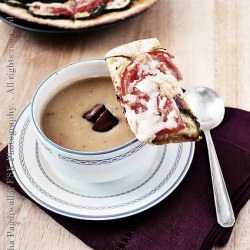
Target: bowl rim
(53, 144)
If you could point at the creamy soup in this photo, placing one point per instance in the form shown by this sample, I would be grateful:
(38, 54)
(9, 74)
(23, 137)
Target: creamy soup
(62, 120)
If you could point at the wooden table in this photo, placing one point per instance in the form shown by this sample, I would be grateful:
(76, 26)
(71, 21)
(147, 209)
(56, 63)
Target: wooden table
(211, 42)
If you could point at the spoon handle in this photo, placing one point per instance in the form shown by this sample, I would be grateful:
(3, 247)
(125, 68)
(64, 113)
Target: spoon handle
(224, 211)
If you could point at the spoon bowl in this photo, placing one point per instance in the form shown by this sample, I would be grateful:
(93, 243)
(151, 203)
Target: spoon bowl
(209, 110)
(207, 106)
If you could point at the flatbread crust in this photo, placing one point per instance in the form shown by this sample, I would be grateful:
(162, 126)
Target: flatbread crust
(136, 7)
(118, 59)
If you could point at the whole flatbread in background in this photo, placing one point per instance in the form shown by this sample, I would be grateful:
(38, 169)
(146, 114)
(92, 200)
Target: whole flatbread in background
(136, 7)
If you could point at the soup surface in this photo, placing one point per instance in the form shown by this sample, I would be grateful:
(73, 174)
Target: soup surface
(62, 120)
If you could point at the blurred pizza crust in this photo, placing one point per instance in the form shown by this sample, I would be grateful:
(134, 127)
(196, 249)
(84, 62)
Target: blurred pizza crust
(136, 7)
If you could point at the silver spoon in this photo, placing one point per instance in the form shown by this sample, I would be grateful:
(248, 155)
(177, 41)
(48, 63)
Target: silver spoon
(209, 109)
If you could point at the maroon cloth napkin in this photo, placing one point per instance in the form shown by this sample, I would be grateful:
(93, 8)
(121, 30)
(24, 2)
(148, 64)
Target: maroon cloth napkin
(186, 219)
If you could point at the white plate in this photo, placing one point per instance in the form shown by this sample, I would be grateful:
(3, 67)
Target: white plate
(124, 197)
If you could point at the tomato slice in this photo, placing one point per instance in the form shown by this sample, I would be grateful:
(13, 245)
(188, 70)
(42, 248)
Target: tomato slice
(165, 58)
(165, 110)
(87, 5)
(149, 64)
(71, 7)
(135, 71)
(61, 10)
(107, 1)
(54, 8)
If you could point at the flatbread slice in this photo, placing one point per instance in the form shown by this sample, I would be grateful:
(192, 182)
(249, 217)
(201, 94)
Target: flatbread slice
(146, 83)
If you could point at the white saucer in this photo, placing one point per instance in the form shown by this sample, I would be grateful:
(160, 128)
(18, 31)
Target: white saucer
(116, 199)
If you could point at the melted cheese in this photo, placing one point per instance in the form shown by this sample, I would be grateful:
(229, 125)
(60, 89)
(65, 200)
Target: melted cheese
(168, 84)
(148, 123)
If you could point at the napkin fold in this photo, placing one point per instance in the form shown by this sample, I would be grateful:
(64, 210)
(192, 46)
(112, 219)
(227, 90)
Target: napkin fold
(186, 219)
